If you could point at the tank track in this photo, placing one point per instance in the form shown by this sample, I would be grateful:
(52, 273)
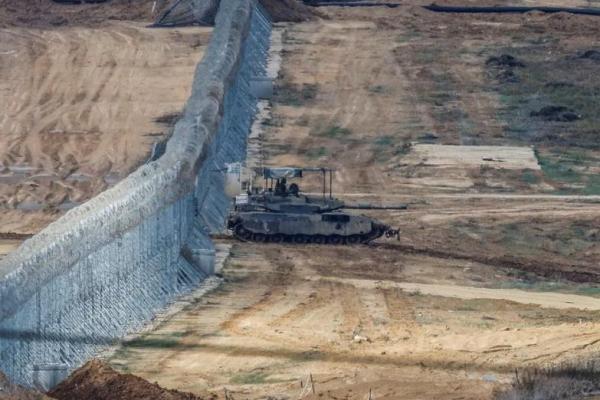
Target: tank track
(247, 236)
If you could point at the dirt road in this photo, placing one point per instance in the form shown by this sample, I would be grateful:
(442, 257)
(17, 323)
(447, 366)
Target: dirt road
(83, 107)
(546, 300)
(287, 312)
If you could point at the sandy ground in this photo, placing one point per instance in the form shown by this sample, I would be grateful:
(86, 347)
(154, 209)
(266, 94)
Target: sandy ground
(8, 245)
(544, 299)
(340, 314)
(83, 107)
(396, 77)
(444, 156)
(495, 268)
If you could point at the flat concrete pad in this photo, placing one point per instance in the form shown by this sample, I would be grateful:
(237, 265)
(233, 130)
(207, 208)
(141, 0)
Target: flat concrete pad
(507, 157)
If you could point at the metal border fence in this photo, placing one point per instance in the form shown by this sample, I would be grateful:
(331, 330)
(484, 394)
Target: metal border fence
(105, 268)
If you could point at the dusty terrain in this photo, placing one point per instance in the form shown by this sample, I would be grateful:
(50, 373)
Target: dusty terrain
(44, 13)
(358, 319)
(497, 266)
(83, 102)
(393, 77)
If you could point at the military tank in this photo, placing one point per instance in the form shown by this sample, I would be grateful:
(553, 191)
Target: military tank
(282, 213)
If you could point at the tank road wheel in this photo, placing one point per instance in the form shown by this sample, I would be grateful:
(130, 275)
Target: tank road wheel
(353, 239)
(242, 233)
(319, 239)
(276, 238)
(300, 239)
(364, 239)
(335, 239)
(259, 237)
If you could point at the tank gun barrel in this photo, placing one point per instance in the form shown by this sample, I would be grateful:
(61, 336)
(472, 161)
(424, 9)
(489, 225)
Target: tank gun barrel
(373, 207)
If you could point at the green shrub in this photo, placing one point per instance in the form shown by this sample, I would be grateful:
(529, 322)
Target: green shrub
(317, 153)
(334, 132)
(296, 95)
(251, 378)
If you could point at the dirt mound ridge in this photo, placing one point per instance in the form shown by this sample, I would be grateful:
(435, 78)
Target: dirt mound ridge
(97, 381)
(288, 10)
(46, 13)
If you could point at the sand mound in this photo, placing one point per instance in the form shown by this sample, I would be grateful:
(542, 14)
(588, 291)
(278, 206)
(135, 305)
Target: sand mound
(43, 13)
(97, 381)
(288, 10)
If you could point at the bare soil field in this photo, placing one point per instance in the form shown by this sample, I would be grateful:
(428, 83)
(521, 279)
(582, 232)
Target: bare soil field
(46, 13)
(483, 125)
(83, 101)
(346, 317)
(395, 77)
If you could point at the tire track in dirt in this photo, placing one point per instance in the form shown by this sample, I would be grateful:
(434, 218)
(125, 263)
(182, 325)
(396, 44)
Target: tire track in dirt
(347, 83)
(375, 314)
(272, 284)
(308, 299)
(403, 323)
(548, 269)
(534, 209)
(305, 325)
(347, 296)
(543, 299)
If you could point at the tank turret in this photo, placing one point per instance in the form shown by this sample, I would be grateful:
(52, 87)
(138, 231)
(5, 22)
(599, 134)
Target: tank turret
(282, 213)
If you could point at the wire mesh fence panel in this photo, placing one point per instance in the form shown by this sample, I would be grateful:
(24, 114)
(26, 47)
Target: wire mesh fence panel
(106, 267)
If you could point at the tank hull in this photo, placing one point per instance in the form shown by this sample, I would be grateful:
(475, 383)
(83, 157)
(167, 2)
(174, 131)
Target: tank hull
(325, 228)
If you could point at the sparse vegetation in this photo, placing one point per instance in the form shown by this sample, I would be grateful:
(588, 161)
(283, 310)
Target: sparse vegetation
(250, 378)
(387, 146)
(559, 170)
(530, 177)
(531, 238)
(163, 341)
(290, 94)
(556, 98)
(334, 132)
(384, 141)
(570, 171)
(378, 89)
(569, 381)
(408, 35)
(316, 153)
